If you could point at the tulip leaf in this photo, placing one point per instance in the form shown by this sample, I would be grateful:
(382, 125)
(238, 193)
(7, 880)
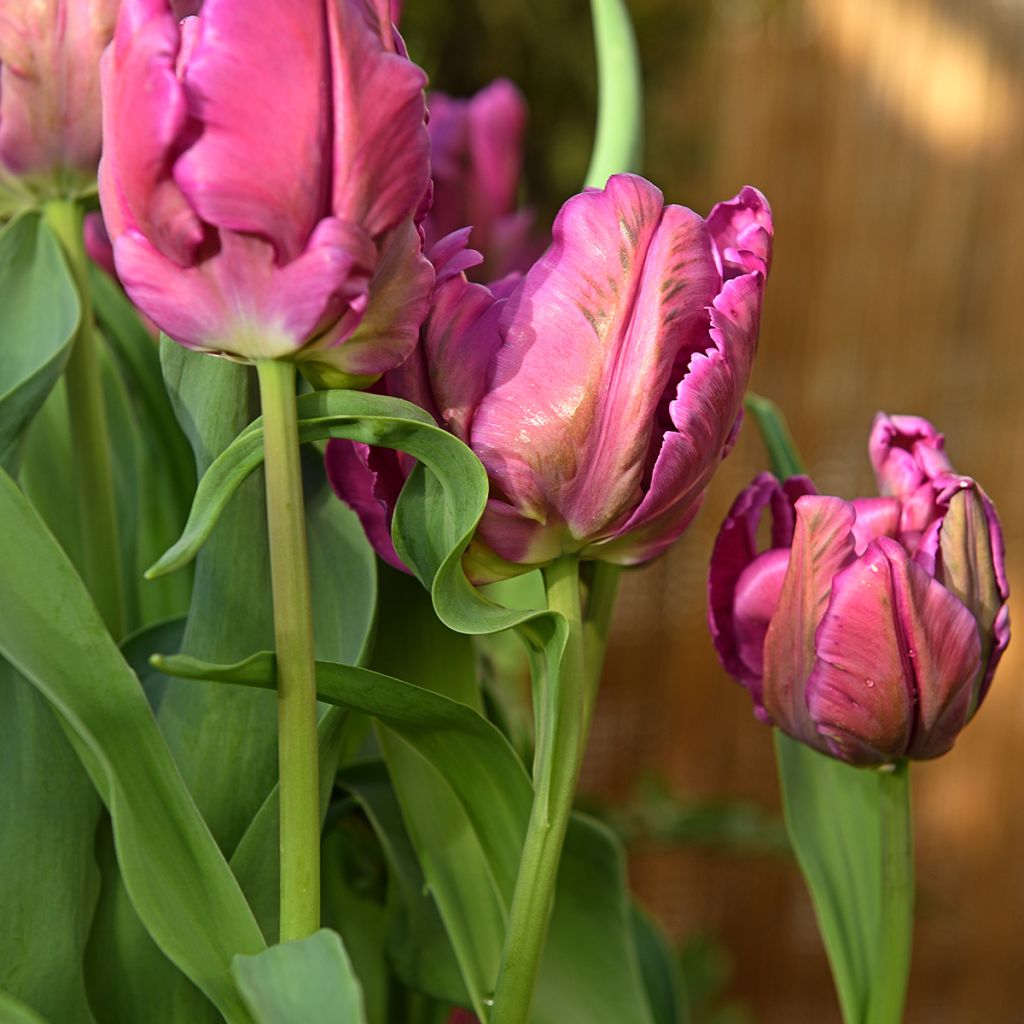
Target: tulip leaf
(39, 316)
(201, 921)
(13, 1011)
(590, 972)
(310, 980)
(618, 142)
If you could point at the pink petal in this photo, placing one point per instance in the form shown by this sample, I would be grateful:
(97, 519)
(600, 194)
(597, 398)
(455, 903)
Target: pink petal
(742, 230)
(822, 545)
(369, 481)
(755, 600)
(617, 296)
(897, 656)
(145, 117)
(906, 452)
(381, 148)
(876, 517)
(261, 163)
(399, 295)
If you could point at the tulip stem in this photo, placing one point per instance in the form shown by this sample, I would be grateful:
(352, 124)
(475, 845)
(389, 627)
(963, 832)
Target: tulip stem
(561, 742)
(896, 924)
(92, 466)
(298, 768)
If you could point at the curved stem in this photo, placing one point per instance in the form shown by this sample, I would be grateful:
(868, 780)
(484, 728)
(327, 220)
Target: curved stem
(603, 591)
(90, 440)
(896, 922)
(298, 766)
(561, 741)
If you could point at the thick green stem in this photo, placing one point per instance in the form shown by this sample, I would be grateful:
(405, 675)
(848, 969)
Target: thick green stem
(896, 923)
(561, 741)
(298, 766)
(90, 442)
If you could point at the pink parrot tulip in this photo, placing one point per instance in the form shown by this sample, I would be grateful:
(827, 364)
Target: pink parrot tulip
(50, 95)
(476, 157)
(600, 391)
(868, 629)
(263, 164)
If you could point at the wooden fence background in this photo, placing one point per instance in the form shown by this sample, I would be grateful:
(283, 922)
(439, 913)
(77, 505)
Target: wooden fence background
(889, 137)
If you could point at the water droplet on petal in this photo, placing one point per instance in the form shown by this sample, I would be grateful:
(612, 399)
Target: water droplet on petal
(871, 683)
(911, 653)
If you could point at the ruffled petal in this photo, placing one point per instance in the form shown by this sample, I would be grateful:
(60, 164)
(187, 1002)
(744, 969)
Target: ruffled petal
(618, 294)
(822, 546)
(261, 164)
(876, 517)
(906, 452)
(742, 230)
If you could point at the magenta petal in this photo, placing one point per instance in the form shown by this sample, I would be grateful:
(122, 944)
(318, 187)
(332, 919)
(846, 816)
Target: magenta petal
(756, 597)
(383, 336)
(97, 243)
(861, 693)
(260, 164)
(742, 231)
(876, 517)
(822, 545)
(369, 481)
(144, 118)
(613, 301)
(906, 452)
(381, 147)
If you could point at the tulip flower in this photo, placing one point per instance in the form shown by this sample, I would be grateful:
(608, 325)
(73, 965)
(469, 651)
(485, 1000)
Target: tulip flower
(600, 392)
(50, 95)
(868, 629)
(476, 156)
(263, 164)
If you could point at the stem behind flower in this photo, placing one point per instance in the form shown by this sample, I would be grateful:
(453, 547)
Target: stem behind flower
(296, 669)
(92, 467)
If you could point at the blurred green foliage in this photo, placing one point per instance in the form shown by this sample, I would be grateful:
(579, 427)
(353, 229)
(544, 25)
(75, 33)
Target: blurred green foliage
(547, 49)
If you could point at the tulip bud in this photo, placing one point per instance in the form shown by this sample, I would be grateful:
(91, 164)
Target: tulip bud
(50, 96)
(269, 215)
(652, 329)
(869, 630)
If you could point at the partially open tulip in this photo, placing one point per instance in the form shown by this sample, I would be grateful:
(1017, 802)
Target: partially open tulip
(868, 629)
(476, 157)
(263, 163)
(50, 95)
(601, 391)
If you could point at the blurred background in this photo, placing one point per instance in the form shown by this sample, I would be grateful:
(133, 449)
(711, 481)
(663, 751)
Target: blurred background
(889, 137)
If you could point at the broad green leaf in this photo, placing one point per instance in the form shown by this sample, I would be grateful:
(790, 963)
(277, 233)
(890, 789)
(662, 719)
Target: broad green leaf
(590, 971)
(39, 315)
(13, 1011)
(310, 980)
(201, 920)
(49, 883)
(660, 969)
(832, 816)
(618, 142)
(416, 944)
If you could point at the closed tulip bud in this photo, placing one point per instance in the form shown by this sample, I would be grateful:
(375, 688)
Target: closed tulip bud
(476, 157)
(867, 629)
(603, 389)
(263, 163)
(50, 96)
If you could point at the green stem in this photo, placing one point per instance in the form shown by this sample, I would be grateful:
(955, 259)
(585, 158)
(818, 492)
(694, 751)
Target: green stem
(298, 766)
(92, 466)
(896, 924)
(603, 591)
(561, 741)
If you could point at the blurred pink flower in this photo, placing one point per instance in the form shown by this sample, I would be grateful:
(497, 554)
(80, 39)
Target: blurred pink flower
(600, 391)
(476, 156)
(50, 91)
(868, 629)
(269, 213)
